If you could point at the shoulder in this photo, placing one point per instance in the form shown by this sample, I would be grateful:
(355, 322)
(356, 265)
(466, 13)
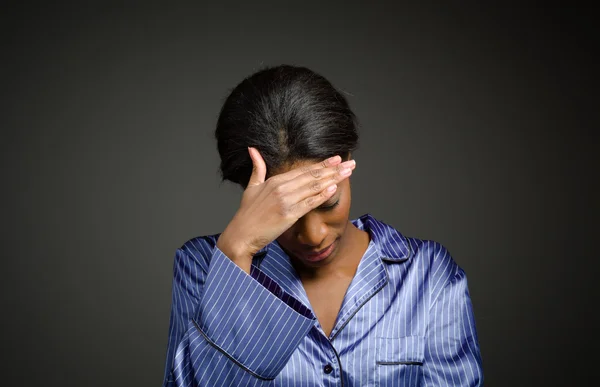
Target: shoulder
(396, 247)
(429, 258)
(435, 255)
(439, 267)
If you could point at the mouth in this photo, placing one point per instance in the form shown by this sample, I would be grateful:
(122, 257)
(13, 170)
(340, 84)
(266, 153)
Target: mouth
(320, 255)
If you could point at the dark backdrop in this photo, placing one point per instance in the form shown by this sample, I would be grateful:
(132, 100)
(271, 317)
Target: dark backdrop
(476, 132)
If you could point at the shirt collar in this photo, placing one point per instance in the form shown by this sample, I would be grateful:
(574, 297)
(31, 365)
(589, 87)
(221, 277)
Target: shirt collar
(392, 245)
(386, 246)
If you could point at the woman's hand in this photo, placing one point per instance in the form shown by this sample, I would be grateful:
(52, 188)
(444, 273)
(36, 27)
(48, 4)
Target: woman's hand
(268, 208)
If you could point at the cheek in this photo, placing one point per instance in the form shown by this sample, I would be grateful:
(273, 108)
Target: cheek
(339, 215)
(337, 218)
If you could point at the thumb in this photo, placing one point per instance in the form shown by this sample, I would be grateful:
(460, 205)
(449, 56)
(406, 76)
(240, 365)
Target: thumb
(259, 168)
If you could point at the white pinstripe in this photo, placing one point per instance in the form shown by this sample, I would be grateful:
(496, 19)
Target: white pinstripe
(419, 302)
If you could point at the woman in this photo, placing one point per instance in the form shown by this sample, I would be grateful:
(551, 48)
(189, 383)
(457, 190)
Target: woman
(292, 292)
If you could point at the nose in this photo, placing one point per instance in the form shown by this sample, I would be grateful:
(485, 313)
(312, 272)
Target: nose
(310, 230)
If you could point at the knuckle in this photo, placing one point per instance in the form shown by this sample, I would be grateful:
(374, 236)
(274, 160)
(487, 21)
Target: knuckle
(275, 180)
(270, 182)
(287, 211)
(316, 173)
(308, 202)
(278, 191)
(283, 211)
(339, 175)
(315, 186)
(288, 208)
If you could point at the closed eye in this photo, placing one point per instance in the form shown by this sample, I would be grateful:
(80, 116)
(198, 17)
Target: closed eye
(329, 207)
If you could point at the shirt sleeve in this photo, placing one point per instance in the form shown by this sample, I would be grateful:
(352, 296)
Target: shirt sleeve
(228, 328)
(452, 355)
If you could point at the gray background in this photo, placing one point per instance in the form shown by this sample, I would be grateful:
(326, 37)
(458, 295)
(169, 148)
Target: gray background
(476, 132)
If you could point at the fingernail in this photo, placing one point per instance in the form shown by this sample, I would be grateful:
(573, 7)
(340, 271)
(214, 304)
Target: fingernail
(332, 188)
(349, 163)
(345, 172)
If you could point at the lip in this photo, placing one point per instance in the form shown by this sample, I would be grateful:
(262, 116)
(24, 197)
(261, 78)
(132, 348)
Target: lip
(321, 255)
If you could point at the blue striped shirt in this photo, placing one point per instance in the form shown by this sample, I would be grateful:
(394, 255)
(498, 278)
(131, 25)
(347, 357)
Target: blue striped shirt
(406, 319)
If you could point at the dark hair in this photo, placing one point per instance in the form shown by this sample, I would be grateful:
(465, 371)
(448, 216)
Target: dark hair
(289, 114)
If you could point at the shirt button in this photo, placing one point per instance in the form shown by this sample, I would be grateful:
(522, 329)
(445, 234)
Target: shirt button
(328, 368)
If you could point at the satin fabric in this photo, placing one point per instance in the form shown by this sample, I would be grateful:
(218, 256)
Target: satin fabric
(406, 319)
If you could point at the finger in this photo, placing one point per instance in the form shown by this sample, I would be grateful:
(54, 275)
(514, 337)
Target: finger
(311, 202)
(259, 168)
(294, 173)
(311, 184)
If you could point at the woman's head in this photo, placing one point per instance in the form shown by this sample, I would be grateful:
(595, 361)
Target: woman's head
(290, 114)
(295, 118)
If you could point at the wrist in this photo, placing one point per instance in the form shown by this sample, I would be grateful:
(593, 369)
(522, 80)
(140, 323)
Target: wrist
(235, 250)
